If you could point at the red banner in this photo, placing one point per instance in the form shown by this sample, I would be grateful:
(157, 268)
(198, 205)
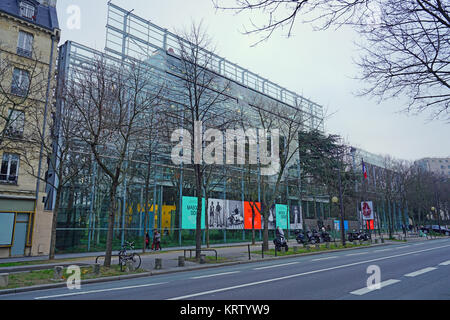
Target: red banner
(370, 224)
(248, 214)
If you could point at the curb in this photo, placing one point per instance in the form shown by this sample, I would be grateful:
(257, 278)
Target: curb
(174, 270)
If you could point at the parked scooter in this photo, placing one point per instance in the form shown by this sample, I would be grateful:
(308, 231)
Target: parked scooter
(300, 237)
(280, 242)
(358, 236)
(325, 236)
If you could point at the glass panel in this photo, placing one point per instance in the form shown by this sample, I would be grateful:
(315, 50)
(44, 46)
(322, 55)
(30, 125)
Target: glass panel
(6, 228)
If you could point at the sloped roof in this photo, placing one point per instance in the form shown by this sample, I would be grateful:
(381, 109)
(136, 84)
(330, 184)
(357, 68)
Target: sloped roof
(46, 16)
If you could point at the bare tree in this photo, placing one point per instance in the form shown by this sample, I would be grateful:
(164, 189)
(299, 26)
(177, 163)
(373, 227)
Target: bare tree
(112, 99)
(201, 95)
(405, 44)
(284, 124)
(67, 158)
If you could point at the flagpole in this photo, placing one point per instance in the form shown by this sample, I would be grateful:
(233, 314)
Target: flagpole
(365, 177)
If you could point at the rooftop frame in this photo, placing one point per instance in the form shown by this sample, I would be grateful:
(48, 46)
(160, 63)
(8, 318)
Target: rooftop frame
(130, 36)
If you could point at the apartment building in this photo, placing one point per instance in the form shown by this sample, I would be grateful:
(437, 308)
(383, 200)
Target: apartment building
(29, 36)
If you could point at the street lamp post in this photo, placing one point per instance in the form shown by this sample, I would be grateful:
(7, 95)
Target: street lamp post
(341, 208)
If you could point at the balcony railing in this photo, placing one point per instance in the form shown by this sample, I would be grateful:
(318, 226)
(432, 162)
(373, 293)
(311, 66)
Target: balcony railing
(24, 52)
(8, 179)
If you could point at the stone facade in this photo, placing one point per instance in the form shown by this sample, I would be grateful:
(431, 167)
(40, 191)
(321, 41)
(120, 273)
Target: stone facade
(31, 225)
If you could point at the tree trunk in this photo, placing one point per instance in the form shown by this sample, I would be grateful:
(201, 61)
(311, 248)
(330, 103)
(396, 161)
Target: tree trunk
(51, 255)
(207, 220)
(266, 229)
(253, 223)
(112, 212)
(198, 231)
(146, 196)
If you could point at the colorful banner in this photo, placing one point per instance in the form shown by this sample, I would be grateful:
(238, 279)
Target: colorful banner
(367, 210)
(248, 215)
(295, 218)
(282, 216)
(272, 219)
(189, 213)
(370, 225)
(216, 214)
(234, 215)
(337, 225)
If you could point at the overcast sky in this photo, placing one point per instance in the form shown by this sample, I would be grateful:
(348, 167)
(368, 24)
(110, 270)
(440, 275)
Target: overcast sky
(316, 64)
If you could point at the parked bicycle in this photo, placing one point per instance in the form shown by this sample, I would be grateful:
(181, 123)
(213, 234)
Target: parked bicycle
(125, 256)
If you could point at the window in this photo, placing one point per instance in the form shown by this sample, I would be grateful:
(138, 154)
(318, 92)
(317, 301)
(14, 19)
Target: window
(25, 44)
(10, 168)
(27, 10)
(16, 124)
(21, 82)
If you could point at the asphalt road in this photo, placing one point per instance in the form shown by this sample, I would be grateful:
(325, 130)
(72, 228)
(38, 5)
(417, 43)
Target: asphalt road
(412, 271)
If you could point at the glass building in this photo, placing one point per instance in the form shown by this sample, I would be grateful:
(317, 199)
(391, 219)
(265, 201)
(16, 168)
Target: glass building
(82, 219)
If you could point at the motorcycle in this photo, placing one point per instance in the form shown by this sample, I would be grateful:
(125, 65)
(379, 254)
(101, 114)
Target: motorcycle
(280, 242)
(300, 237)
(312, 237)
(325, 236)
(358, 236)
(315, 236)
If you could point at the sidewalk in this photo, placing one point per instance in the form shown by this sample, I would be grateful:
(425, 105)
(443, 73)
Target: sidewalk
(169, 256)
(228, 255)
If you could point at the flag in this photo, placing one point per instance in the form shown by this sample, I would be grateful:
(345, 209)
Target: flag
(364, 170)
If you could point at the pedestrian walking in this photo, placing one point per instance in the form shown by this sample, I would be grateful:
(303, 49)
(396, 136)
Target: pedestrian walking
(147, 241)
(156, 241)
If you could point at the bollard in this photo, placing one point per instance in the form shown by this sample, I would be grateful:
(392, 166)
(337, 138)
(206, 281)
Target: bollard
(181, 261)
(58, 273)
(317, 246)
(376, 241)
(4, 279)
(328, 245)
(96, 269)
(130, 266)
(202, 259)
(158, 263)
(295, 249)
(249, 255)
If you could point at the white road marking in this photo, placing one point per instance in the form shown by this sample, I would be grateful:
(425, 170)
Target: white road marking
(382, 250)
(363, 291)
(320, 259)
(100, 290)
(214, 275)
(418, 273)
(299, 274)
(274, 266)
(446, 263)
(356, 254)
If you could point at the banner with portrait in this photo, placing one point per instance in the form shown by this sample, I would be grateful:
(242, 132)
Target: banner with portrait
(216, 214)
(295, 218)
(367, 210)
(234, 215)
